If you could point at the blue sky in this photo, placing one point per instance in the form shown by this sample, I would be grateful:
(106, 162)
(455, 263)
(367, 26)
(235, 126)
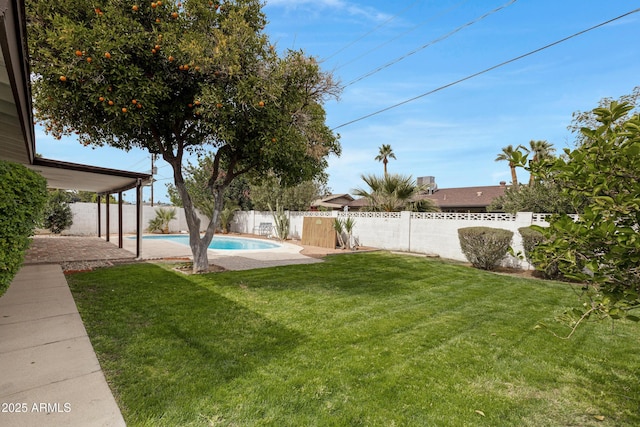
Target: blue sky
(455, 133)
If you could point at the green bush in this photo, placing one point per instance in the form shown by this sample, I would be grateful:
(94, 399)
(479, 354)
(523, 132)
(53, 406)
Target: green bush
(57, 213)
(530, 239)
(162, 219)
(484, 247)
(22, 197)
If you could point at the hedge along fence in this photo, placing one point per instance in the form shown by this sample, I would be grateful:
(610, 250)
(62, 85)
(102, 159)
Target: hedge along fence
(485, 247)
(23, 194)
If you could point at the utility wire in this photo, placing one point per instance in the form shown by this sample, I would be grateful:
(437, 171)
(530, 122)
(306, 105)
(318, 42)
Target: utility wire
(488, 69)
(455, 6)
(432, 42)
(348, 45)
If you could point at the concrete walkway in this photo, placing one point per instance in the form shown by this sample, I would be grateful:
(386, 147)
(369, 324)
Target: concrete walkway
(49, 373)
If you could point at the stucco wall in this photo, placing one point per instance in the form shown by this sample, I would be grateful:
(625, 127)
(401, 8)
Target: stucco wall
(85, 219)
(428, 233)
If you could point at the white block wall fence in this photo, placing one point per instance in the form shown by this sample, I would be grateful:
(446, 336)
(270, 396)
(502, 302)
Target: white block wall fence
(432, 233)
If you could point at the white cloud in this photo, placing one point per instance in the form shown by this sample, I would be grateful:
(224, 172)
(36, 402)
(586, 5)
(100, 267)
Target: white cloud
(340, 6)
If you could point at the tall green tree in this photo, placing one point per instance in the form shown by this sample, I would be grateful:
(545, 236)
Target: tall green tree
(385, 153)
(515, 157)
(589, 119)
(394, 193)
(173, 78)
(541, 151)
(271, 192)
(602, 247)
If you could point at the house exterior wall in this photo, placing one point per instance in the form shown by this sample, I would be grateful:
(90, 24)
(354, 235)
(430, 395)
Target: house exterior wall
(431, 233)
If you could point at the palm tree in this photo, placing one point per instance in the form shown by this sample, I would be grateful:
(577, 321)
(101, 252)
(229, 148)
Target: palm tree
(515, 157)
(541, 150)
(393, 193)
(386, 153)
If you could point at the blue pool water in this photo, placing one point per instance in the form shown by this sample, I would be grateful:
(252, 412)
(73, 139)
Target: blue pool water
(220, 242)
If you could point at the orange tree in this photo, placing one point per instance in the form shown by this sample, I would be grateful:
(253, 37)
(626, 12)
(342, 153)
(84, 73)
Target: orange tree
(180, 77)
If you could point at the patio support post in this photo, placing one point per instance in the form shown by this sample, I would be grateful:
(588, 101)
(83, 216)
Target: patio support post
(99, 217)
(139, 218)
(108, 196)
(120, 219)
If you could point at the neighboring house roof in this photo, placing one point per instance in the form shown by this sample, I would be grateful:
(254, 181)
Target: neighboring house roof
(359, 203)
(333, 201)
(454, 198)
(466, 197)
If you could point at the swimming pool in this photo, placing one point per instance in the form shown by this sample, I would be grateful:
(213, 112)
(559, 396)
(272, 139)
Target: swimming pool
(220, 242)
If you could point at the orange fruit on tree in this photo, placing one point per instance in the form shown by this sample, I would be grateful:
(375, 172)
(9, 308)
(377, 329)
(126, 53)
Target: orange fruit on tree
(171, 58)
(174, 15)
(89, 59)
(154, 51)
(135, 7)
(197, 102)
(107, 55)
(63, 78)
(78, 53)
(110, 102)
(101, 99)
(261, 103)
(154, 4)
(219, 105)
(157, 20)
(134, 101)
(124, 109)
(157, 47)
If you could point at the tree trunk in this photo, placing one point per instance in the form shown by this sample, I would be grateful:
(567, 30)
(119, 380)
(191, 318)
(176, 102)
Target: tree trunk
(199, 245)
(514, 176)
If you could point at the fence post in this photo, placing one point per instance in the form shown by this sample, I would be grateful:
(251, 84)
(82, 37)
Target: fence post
(405, 231)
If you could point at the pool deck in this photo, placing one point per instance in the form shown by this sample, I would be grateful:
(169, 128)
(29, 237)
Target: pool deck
(49, 372)
(286, 254)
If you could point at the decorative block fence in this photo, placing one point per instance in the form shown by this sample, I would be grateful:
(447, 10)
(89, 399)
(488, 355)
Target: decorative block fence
(433, 233)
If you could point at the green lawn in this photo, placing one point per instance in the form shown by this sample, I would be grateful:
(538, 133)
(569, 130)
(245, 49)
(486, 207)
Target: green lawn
(365, 339)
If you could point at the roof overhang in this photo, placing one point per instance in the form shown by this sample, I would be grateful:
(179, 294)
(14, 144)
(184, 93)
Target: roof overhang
(17, 135)
(74, 176)
(17, 141)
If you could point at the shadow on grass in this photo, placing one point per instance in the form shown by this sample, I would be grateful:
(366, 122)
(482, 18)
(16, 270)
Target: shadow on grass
(163, 340)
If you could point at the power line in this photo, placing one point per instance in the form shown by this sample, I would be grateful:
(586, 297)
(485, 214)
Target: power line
(455, 6)
(488, 69)
(432, 42)
(348, 45)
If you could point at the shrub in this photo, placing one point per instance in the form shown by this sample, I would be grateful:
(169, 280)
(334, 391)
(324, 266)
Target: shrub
(22, 197)
(530, 239)
(484, 247)
(57, 213)
(162, 219)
